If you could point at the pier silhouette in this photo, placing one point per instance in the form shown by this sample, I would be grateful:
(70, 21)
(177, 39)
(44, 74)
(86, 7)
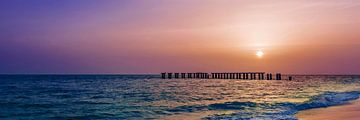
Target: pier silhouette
(232, 75)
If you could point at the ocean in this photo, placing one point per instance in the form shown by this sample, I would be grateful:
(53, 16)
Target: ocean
(137, 97)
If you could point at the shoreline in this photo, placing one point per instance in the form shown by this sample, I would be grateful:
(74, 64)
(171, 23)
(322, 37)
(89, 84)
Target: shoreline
(348, 111)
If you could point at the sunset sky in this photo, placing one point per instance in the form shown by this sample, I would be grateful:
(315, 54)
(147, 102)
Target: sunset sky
(152, 36)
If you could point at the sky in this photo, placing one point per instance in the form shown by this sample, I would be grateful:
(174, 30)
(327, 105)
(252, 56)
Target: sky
(153, 36)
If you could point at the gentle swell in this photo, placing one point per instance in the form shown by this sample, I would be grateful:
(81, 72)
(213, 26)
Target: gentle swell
(271, 111)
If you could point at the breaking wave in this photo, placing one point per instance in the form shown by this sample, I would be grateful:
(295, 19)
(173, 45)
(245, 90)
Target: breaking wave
(270, 111)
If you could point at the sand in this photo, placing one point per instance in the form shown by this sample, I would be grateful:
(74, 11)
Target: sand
(349, 111)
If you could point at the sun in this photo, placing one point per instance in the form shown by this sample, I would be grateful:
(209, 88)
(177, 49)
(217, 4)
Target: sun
(259, 53)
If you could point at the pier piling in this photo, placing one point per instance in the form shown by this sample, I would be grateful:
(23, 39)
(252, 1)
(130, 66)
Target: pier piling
(278, 76)
(176, 75)
(183, 75)
(163, 75)
(169, 75)
(189, 75)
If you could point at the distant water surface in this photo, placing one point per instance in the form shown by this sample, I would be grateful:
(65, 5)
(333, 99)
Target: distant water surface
(148, 97)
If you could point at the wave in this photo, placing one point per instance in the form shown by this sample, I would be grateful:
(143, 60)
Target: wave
(329, 99)
(270, 111)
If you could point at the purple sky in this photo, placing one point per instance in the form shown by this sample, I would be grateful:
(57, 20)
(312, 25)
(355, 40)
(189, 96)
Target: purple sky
(152, 36)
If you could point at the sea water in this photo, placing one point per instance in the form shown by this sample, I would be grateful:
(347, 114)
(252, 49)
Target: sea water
(149, 97)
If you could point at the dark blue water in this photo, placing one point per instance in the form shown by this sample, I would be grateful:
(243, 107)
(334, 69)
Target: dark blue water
(148, 97)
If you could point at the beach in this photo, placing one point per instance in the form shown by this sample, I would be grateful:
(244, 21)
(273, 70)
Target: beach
(350, 111)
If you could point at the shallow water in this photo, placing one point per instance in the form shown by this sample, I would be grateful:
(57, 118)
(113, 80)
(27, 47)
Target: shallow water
(148, 97)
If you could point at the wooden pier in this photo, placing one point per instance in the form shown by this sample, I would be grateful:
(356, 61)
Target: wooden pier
(233, 75)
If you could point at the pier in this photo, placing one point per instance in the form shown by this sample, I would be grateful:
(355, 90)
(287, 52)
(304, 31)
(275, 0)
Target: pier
(232, 75)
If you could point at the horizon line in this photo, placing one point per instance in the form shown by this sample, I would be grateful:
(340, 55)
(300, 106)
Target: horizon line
(312, 74)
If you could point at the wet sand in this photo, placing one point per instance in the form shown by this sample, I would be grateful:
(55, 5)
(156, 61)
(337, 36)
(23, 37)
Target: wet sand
(349, 111)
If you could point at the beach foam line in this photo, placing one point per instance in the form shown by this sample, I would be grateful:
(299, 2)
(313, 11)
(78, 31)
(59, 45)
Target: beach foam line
(349, 111)
(273, 111)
